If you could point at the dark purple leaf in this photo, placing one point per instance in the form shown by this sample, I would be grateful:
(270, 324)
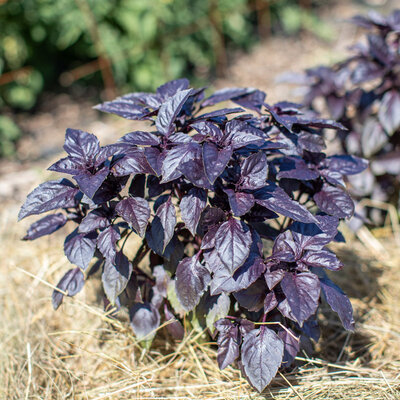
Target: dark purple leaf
(226, 94)
(336, 106)
(311, 328)
(389, 111)
(270, 302)
(302, 292)
(310, 142)
(136, 212)
(345, 164)
(233, 241)
(262, 353)
(45, 226)
(291, 346)
(215, 264)
(162, 279)
(273, 275)
(240, 134)
(388, 163)
(115, 276)
(108, 151)
(137, 188)
(287, 248)
(218, 113)
(208, 129)
(129, 106)
(228, 342)
(166, 216)
(254, 171)
(317, 123)
(192, 279)
(107, 242)
(215, 160)
(339, 302)
(212, 216)
(108, 190)
(49, 196)
(90, 183)
(170, 110)
(240, 202)
(173, 253)
(284, 308)
(79, 248)
(288, 121)
(252, 298)
(133, 162)
(153, 156)
(174, 327)
(245, 326)
(155, 237)
(276, 199)
(81, 145)
(191, 207)
(140, 138)
(322, 258)
(174, 158)
(96, 219)
(244, 276)
(284, 120)
(253, 101)
(373, 137)
(373, 19)
(208, 241)
(170, 88)
(333, 177)
(68, 165)
(296, 168)
(145, 320)
(193, 170)
(379, 49)
(334, 201)
(288, 107)
(71, 283)
(155, 188)
(313, 237)
(366, 70)
(180, 138)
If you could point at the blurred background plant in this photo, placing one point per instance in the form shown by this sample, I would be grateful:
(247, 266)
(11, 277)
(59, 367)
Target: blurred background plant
(363, 93)
(131, 44)
(9, 135)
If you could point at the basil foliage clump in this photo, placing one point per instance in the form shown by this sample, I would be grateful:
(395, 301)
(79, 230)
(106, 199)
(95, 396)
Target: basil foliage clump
(233, 208)
(363, 93)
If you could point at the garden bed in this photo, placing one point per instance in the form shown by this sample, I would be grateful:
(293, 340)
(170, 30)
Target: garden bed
(80, 353)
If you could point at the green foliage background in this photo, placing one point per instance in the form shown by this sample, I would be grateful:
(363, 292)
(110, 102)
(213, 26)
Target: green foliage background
(145, 42)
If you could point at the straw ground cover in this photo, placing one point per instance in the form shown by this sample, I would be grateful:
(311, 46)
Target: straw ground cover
(79, 352)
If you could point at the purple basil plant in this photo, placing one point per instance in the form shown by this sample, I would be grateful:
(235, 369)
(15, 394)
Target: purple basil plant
(363, 93)
(233, 209)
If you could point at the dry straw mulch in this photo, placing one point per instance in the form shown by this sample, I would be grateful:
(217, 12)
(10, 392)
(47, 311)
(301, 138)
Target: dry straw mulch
(79, 353)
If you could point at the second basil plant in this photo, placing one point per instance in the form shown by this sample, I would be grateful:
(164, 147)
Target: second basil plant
(233, 208)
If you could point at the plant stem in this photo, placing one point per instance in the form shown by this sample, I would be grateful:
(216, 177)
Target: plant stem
(126, 238)
(140, 254)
